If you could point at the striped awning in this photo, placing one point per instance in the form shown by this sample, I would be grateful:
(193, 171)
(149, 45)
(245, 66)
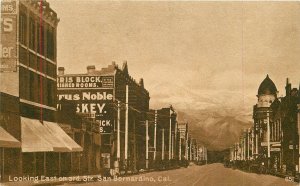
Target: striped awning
(7, 140)
(38, 138)
(56, 130)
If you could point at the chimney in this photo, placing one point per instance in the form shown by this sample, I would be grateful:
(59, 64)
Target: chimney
(61, 71)
(91, 69)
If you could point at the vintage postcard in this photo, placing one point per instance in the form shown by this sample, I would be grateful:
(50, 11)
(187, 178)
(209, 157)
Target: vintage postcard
(96, 92)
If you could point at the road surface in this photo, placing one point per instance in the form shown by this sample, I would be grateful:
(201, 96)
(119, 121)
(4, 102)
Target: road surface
(206, 175)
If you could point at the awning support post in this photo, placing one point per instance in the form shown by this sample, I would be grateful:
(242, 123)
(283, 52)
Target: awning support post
(3, 162)
(45, 160)
(34, 156)
(59, 168)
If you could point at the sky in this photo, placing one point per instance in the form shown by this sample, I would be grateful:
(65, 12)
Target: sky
(193, 55)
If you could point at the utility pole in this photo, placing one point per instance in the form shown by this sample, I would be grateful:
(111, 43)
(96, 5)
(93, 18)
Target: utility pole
(163, 145)
(299, 133)
(147, 146)
(197, 153)
(248, 144)
(172, 149)
(175, 150)
(186, 147)
(118, 139)
(191, 158)
(179, 148)
(252, 141)
(256, 142)
(126, 127)
(205, 155)
(244, 144)
(268, 138)
(170, 134)
(155, 128)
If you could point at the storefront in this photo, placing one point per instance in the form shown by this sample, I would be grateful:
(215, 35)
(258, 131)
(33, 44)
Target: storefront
(46, 148)
(8, 147)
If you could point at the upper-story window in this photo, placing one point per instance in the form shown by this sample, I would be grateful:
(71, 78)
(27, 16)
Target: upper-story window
(50, 43)
(40, 37)
(23, 28)
(32, 36)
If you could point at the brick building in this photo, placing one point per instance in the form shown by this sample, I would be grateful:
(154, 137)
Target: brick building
(28, 90)
(114, 82)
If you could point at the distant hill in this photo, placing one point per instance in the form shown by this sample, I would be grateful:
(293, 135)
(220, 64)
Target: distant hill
(216, 131)
(216, 118)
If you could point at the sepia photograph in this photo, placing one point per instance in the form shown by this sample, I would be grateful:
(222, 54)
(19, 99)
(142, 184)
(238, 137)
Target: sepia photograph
(149, 92)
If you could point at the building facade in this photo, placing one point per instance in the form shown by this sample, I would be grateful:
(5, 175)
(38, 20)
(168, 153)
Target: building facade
(183, 144)
(273, 142)
(119, 104)
(28, 90)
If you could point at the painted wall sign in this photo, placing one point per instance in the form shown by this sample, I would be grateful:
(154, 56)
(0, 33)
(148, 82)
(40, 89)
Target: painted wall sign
(84, 82)
(97, 102)
(8, 44)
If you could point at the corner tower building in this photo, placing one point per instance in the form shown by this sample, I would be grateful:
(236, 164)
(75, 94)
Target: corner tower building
(262, 111)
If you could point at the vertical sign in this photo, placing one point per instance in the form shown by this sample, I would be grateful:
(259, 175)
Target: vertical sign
(8, 41)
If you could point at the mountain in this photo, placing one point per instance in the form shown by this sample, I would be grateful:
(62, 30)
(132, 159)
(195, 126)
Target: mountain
(213, 130)
(216, 118)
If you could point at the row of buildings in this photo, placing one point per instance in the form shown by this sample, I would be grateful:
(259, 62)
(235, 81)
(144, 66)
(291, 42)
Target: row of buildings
(98, 122)
(273, 141)
(132, 136)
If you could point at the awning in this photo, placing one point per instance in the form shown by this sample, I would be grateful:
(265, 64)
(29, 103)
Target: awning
(7, 140)
(56, 130)
(37, 138)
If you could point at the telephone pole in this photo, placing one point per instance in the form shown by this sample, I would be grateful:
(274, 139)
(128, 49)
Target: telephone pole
(147, 146)
(118, 139)
(155, 128)
(170, 134)
(126, 127)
